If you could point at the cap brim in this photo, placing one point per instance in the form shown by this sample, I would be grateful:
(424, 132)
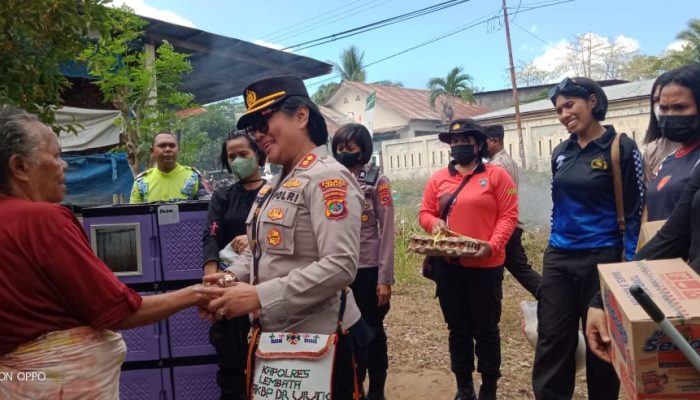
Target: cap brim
(246, 118)
(445, 136)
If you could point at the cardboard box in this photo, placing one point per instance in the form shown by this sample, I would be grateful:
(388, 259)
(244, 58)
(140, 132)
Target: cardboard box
(647, 231)
(647, 362)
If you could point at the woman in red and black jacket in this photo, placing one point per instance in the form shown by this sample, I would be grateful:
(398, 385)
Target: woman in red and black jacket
(470, 288)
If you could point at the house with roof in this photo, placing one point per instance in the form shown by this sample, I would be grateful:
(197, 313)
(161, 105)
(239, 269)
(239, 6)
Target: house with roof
(628, 111)
(399, 113)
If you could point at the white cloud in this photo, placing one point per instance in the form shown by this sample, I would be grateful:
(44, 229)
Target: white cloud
(677, 45)
(533, 29)
(141, 8)
(275, 46)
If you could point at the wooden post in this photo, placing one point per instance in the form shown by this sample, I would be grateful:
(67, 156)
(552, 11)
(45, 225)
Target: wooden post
(516, 101)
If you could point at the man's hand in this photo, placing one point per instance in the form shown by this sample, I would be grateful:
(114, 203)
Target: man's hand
(438, 226)
(597, 333)
(383, 294)
(239, 243)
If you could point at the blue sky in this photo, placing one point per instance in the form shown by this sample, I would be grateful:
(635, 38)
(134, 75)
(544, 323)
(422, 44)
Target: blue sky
(481, 50)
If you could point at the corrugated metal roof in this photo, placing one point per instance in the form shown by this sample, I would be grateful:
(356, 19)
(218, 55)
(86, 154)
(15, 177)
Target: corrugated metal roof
(413, 103)
(224, 66)
(619, 92)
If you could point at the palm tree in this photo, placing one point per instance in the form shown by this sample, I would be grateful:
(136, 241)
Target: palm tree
(350, 67)
(324, 92)
(692, 38)
(456, 84)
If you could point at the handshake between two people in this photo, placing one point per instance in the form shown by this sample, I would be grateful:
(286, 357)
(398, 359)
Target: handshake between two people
(225, 298)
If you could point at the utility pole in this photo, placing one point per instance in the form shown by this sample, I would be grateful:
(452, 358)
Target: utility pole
(516, 101)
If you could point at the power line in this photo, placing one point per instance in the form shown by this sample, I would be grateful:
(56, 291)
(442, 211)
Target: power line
(533, 35)
(332, 11)
(462, 28)
(376, 25)
(305, 29)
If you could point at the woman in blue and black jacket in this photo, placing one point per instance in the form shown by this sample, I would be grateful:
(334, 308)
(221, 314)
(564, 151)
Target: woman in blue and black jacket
(584, 233)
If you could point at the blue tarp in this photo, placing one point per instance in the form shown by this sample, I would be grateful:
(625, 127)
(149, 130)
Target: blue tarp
(92, 180)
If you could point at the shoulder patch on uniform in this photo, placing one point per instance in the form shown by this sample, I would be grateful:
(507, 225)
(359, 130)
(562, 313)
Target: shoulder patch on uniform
(307, 161)
(335, 204)
(512, 191)
(384, 193)
(336, 183)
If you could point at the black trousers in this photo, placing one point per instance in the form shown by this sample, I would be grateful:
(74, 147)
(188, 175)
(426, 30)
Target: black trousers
(352, 349)
(470, 299)
(569, 282)
(365, 290)
(519, 266)
(230, 339)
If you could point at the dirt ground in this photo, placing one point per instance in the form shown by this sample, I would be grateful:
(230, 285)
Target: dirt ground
(419, 366)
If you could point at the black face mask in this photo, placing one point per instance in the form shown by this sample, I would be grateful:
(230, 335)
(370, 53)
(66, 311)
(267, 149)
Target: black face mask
(679, 128)
(463, 153)
(349, 160)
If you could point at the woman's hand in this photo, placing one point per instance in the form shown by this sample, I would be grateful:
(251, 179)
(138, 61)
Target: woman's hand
(383, 294)
(233, 301)
(239, 243)
(438, 227)
(597, 333)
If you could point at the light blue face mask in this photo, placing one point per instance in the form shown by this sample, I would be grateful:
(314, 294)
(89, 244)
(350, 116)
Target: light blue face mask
(242, 167)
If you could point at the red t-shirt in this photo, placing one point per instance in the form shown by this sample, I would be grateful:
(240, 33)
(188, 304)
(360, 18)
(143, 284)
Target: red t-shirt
(486, 209)
(50, 279)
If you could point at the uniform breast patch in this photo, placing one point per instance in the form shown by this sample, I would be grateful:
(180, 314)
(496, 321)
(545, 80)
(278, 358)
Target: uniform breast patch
(274, 237)
(292, 183)
(364, 217)
(275, 214)
(599, 163)
(286, 195)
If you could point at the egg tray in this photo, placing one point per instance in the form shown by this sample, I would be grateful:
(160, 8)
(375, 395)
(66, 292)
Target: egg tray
(443, 246)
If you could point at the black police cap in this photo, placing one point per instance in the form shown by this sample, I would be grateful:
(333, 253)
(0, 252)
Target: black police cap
(267, 92)
(466, 126)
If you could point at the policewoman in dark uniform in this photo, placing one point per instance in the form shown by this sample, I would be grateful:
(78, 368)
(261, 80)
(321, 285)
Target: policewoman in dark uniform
(584, 233)
(352, 147)
(228, 210)
(304, 228)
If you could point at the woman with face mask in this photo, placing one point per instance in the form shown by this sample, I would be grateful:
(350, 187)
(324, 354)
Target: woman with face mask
(584, 233)
(352, 147)
(228, 209)
(480, 201)
(678, 122)
(656, 146)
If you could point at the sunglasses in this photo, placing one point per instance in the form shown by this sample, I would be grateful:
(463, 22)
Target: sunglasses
(260, 125)
(565, 83)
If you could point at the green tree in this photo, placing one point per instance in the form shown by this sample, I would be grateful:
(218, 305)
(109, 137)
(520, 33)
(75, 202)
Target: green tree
(692, 38)
(201, 136)
(141, 85)
(350, 67)
(457, 84)
(324, 92)
(642, 67)
(36, 37)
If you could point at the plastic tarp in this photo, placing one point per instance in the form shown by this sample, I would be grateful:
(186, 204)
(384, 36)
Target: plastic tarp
(92, 180)
(98, 128)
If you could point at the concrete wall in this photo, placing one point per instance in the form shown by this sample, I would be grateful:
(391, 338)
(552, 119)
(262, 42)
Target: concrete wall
(497, 100)
(542, 132)
(414, 158)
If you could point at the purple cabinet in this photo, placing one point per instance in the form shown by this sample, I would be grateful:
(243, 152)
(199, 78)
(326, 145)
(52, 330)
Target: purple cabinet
(145, 384)
(181, 243)
(189, 335)
(195, 382)
(124, 237)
